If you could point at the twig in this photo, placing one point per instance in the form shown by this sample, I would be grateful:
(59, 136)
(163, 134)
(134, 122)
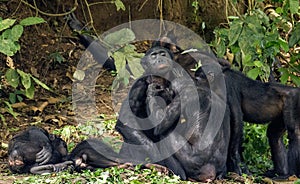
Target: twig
(142, 6)
(92, 4)
(52, 14)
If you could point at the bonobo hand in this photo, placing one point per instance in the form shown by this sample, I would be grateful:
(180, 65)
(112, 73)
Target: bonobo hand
(43, 156)
(154, 89)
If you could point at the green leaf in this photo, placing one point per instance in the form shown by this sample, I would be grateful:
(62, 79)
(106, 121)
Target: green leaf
(221, 48)
(31, 21)
(12, 98)
(295, 79)
(6, 23)
(37, 81)
(258, 63)
(283, 44)
(284, 76)
(235, 31)
(25, 79)
(253, 73)
(294, 5)
(295, 37)
(135, 66)
(16, 32)
(12, 77)
(119, 4)
(120, 60)
(120, 37)
(29, 92)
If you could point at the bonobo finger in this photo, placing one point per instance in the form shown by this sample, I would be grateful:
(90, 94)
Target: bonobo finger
(43, 156)
(42, 169)
(62, 166)
(154, 89)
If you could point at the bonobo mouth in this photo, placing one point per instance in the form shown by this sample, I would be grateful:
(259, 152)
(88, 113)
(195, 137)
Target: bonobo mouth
(163, 66)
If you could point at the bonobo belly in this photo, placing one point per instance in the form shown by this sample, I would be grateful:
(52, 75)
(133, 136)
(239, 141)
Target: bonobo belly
(262, 111)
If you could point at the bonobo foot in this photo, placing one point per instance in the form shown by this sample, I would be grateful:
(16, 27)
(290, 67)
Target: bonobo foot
(158, 168)
(273, 175)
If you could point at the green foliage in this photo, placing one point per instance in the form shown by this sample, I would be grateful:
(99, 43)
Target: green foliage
(119, 5)
(110, 176)
(256, 150)
(11, 33)
(23, 83)
(125, 54)
(256, 42)
(56, 57)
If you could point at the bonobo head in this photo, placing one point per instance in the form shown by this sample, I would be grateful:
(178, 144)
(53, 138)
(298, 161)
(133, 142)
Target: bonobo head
(15, 162)
(158, 61)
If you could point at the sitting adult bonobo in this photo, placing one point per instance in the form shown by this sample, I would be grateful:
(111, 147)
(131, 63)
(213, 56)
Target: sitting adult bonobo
(257, 102)
(36, 151)
(133, 123)
(197, 144)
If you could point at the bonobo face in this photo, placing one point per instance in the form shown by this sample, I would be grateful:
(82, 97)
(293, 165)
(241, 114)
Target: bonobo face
(15, 161)
(158, 60)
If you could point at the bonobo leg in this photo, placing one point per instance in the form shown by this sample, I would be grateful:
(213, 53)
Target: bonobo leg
(275, 132)
(236, 124)
(291, 114)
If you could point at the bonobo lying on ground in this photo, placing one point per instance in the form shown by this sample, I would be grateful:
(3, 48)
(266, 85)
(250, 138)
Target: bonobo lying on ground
(257, 102)
(201, 151)
(36, 151)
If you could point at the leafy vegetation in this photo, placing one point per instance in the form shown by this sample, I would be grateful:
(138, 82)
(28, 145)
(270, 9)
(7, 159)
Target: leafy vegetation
(21, 82)
(258, 42)
(254, 43)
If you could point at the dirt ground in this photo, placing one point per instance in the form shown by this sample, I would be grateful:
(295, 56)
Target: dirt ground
(40, 47)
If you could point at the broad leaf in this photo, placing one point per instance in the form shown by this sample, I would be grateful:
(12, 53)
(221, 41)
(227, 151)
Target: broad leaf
(135, 66)
(120, 60)
(294, 6)
(235, 31)
(16, 32)
(120, 37)
(295, 37)
(6, 23)
(12, 77)
(253, 73)
(29, 93)
(25, 79)
(31, 21)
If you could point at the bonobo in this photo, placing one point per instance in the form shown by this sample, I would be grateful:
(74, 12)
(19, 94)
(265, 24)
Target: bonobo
(36, 151)
(134, 124)
(187, 137)
(257, 102)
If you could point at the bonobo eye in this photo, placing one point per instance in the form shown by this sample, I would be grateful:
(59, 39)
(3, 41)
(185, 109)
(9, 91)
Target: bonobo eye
(153, 55)
(163, 53)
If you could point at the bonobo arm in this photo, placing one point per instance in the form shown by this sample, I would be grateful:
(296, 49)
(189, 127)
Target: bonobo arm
(49, 168)
(166, 116)
(44, 156)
